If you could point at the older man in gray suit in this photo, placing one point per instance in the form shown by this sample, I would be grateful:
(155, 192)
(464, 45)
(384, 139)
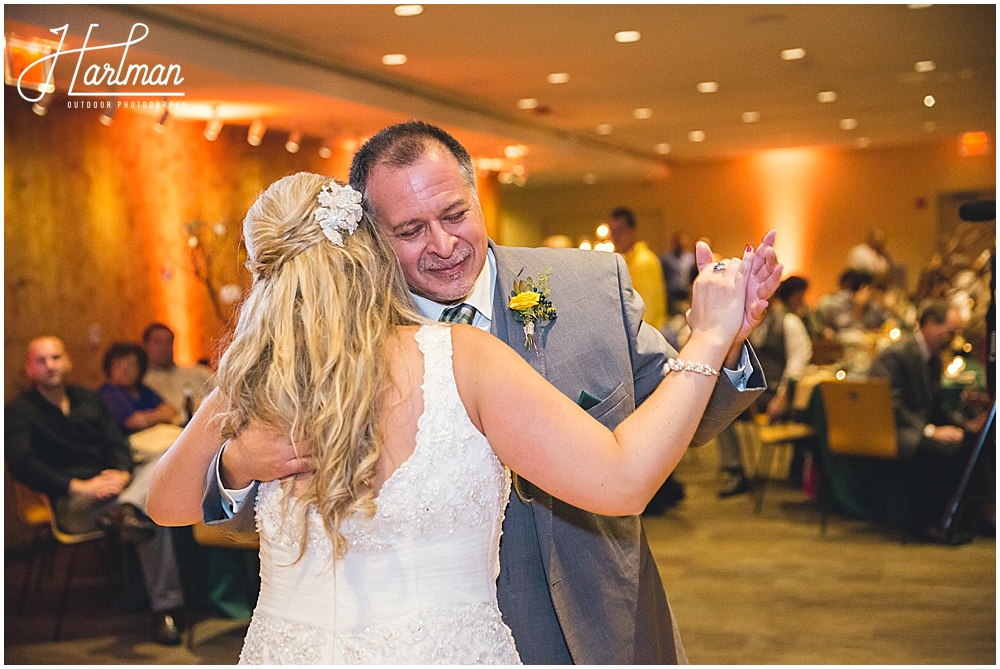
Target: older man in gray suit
(574, 587)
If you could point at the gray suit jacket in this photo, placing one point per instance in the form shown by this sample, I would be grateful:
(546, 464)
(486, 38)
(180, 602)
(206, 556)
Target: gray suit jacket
(575, 586)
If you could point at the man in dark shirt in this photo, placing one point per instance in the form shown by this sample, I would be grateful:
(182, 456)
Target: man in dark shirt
(61, 440)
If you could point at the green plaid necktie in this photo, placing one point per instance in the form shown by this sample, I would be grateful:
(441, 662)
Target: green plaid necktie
(460, 313)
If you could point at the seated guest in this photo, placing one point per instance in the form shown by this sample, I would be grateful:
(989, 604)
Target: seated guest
(937, 443)
(181, 387)
(62, 441)
(135, 405)
(853, 306)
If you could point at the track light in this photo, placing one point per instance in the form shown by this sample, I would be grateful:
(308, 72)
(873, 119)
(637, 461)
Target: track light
(294, 141)
(325, 151)
(107, 116)
(256, 133)
(162, 121)
(212, 128)
(42, 106)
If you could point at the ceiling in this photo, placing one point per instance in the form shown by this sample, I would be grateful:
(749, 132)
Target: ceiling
(318, 69)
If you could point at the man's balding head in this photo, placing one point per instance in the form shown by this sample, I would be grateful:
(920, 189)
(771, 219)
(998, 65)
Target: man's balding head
(47, 363)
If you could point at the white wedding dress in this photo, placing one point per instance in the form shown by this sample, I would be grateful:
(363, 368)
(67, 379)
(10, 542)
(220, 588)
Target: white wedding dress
(418, 582)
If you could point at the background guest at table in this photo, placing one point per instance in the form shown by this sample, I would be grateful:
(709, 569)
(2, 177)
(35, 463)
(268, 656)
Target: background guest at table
(134, 405)
(936, 442)
(62, 441)
(872, 257)
(679, 270)
(181, 387)
(853, 306)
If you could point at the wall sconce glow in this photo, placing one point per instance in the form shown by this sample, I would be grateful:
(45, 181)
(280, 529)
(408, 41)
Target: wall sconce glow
(793, 54)
(212, 128)
(294, 141)
(750, 117)
(975, 144)
(408, 10)
(627, 36)
(603, 129)
(924, 66)
(848, 124)
(929, 101)
(708, 87)
(394, 59)
(642, 113)
(663, 148)
(602, 231)
(107, 116)
(255, 135)
(558, 78)
(696, 136)
(527, 103)
(826, 96)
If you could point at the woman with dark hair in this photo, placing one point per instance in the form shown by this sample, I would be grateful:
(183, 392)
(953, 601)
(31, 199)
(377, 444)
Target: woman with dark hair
(134, 405)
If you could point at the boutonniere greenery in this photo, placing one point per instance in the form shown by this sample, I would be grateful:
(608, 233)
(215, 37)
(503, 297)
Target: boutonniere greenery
(530, 303)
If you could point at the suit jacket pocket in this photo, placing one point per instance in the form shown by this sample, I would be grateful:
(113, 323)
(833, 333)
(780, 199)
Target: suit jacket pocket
(614, 409)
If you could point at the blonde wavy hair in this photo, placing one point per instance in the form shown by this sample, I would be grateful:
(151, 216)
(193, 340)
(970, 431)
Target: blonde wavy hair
(309, 352)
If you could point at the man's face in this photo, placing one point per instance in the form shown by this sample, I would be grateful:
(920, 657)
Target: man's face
(939, 335)
(434, 223)
(619, 233)
(160, 348)
(47, 363)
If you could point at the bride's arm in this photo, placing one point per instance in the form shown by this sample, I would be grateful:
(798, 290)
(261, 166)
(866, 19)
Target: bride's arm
(545, 437)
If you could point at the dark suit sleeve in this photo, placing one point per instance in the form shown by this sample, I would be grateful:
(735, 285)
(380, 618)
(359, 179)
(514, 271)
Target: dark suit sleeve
(244, 522)
(119, 448)
(649, 352)
(910, 419)
(24, 465)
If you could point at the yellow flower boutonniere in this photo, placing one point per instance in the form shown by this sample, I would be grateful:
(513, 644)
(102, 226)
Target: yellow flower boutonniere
(530, 303)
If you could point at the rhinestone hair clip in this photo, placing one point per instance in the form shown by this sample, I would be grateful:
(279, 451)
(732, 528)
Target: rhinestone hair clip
(339, 211)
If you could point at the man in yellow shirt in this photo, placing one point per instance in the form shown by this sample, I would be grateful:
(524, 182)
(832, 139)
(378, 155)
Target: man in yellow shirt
(643, 265)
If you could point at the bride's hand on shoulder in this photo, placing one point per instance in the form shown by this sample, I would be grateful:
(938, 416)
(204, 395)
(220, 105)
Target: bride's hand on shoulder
(718, 296)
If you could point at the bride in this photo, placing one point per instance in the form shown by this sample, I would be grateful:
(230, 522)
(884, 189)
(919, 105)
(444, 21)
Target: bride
(388, 551)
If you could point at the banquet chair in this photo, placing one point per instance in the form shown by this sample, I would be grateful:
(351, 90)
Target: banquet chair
(764, 440)
(860, 428)
(35, 509)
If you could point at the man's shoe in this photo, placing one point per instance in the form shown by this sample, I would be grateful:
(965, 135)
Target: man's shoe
(736, 483)
(127, 523)
(166, 632)
(935, 535)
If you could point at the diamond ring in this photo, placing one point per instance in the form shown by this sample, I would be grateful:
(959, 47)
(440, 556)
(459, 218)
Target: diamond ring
(719, 267)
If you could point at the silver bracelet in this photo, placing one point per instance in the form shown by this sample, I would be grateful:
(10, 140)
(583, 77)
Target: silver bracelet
(678, 365)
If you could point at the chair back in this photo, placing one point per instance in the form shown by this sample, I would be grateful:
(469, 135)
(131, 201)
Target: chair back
(859, 418)
(211, 535)
(32, 506)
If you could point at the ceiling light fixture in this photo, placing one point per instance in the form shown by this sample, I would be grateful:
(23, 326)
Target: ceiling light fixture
(255, 135)
(527, 103)
(662, 148)
(863, 142)
(642, 113)
(696, 136)
(750, 117)
(627, 36)
(408, 10)
(929, 101)
(826, 96)
(603, 129)
(107, 116)
(394, 59)
(848, 124)
(294, 142)
(558, 78)
(924, 66)
(41, 108)
(793, 54)
(708, 87)
(214, 126)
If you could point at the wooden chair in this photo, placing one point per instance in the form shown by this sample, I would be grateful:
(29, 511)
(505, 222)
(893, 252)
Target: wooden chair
(859, 424)
(764, 440)
(35, 509)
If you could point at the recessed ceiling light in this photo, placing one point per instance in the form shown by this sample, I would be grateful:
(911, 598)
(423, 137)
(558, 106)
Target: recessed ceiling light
(863, 142)
(603, 129)
(394, 59)
(848, 124)
(527, 103)
(708, 87)
(793, 54)
(930, 126)
(917, 6)
(924, 66)
(558, 78)
(662, 149)
(750, 117)
(590, 178)
(929, 101)
(408, 10)
(826, 96)
(642, 113)
(626, 36)
(696, 136)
